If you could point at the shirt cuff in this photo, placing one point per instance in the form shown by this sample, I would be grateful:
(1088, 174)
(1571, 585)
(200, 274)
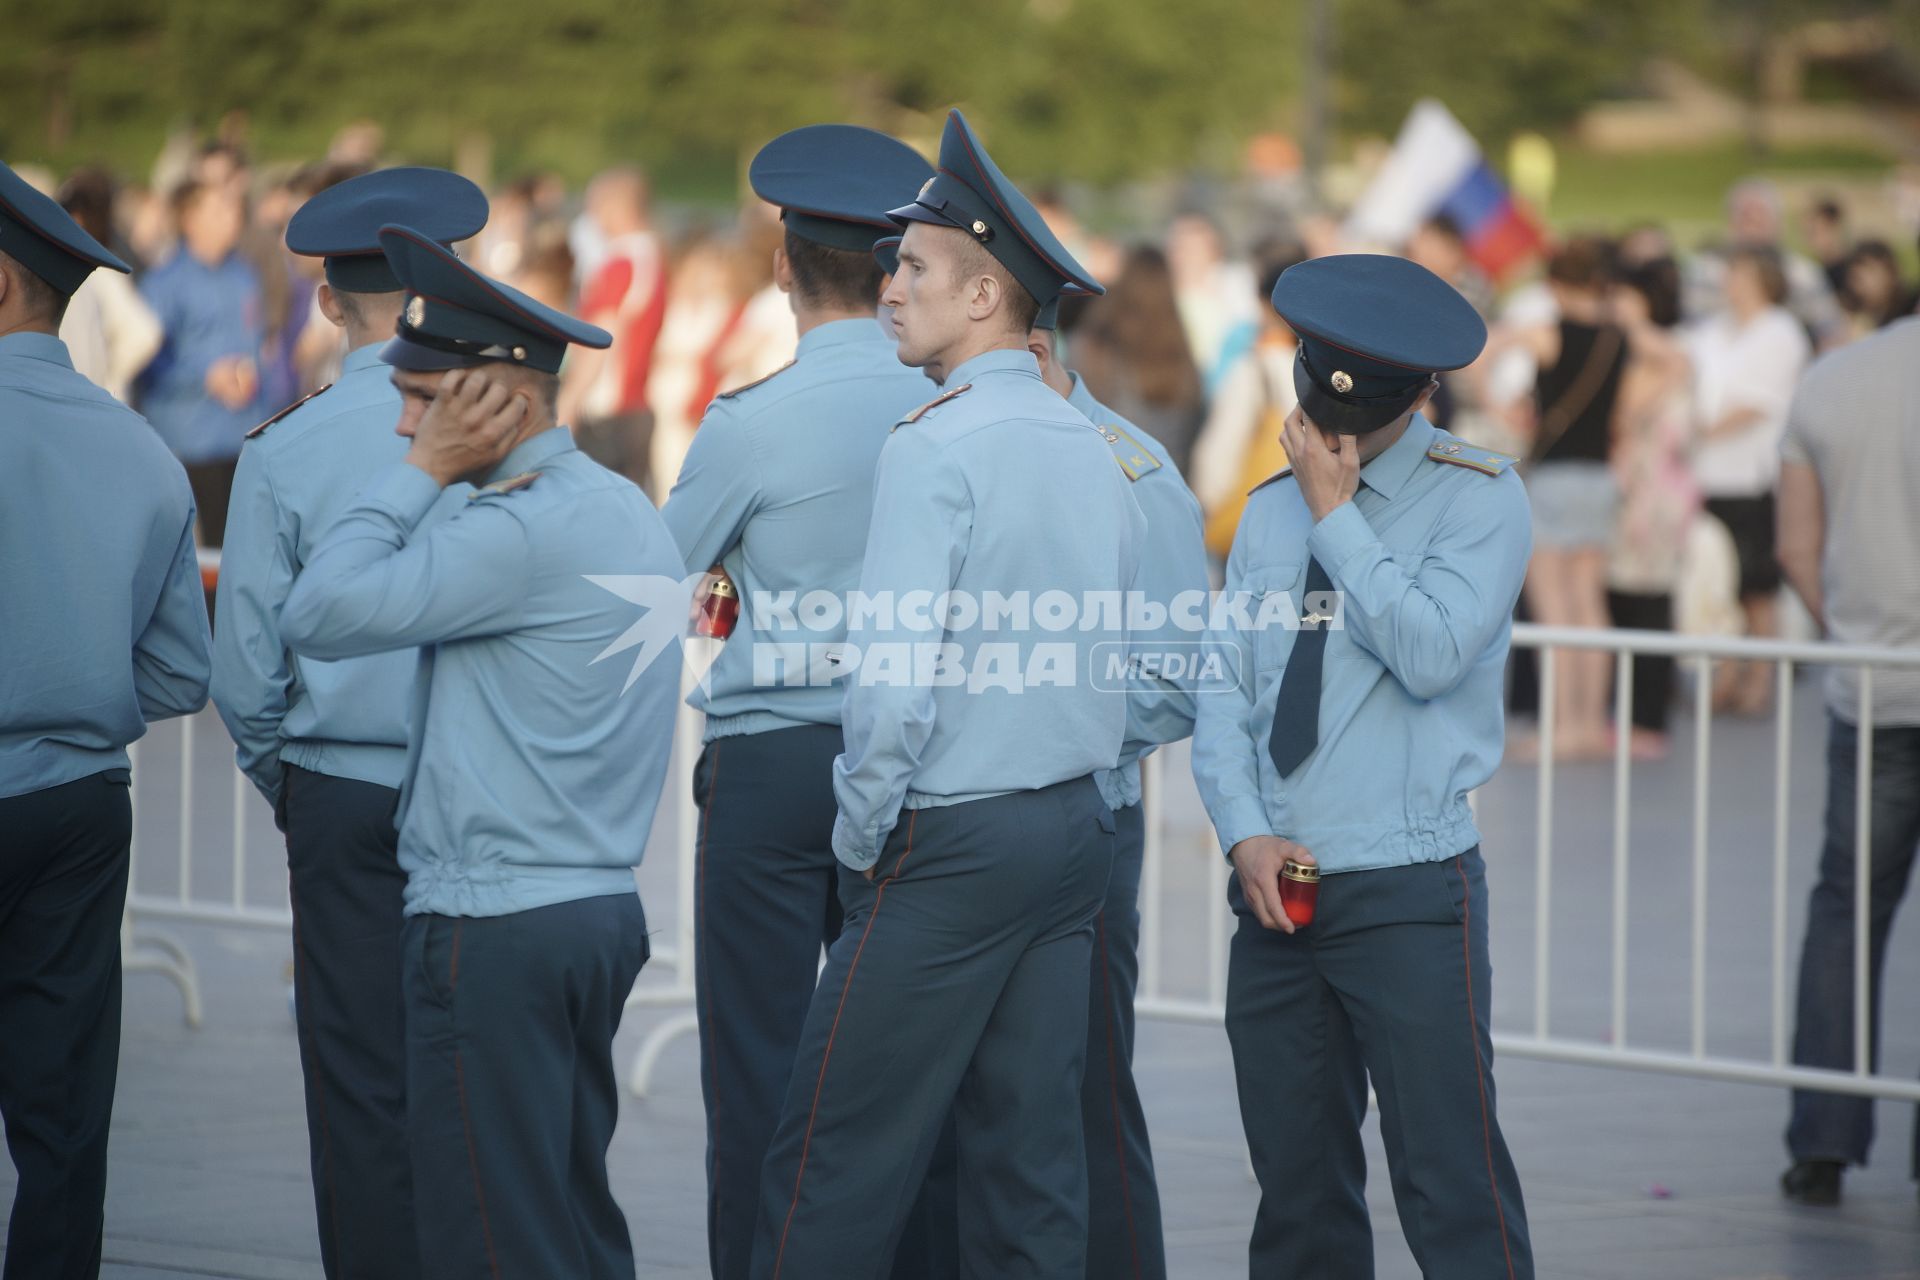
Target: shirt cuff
(848, 845)
(1341, 536)
(404, 491)
(1243, 820)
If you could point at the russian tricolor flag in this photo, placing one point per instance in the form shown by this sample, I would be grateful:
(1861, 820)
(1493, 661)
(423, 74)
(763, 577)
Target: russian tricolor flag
(1436, 167)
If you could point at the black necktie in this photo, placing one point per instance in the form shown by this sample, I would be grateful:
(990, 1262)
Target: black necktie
(1296, 713)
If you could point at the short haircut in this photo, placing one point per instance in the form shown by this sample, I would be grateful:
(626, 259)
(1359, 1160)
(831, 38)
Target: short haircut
(842, 279)
(355, 306)
(1767, 264)
(186, 195)
(43, 300)
(1658, 281)
(972, 261)
(1443, 224)
(87, 196)
(1273, 257)
(1582, 262)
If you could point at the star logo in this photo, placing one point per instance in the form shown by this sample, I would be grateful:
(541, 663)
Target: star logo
(667, 604)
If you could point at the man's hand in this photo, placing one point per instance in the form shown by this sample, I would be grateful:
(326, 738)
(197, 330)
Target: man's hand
(1258, 860)
(473, 422)
(1326, 465)
(233, 381)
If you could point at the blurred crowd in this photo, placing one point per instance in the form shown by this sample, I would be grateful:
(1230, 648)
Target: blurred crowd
(1645, 385)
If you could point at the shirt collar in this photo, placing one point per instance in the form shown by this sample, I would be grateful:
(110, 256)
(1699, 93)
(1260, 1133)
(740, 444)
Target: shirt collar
(362, 357)
(531, 452)
(1001, 359)
(1082, 399)
(838, 333)
(1389, 472)
(37, 346)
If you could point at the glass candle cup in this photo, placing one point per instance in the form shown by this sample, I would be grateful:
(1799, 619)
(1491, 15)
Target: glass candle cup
(1299, 891)
(719, 611)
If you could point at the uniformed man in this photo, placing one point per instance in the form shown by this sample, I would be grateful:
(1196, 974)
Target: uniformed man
(975, 840)
(776, 492)
(105, 630)
(1352, 743)
(1123, 1198)
(533, 768)
(326, 742)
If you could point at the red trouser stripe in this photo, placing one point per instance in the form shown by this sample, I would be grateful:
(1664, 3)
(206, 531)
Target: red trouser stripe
(833, 1031)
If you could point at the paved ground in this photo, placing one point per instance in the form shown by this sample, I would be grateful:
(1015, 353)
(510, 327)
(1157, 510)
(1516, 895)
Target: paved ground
(1627, 1175)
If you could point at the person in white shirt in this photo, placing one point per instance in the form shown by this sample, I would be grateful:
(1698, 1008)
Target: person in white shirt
(109, 329)
(1747, 360)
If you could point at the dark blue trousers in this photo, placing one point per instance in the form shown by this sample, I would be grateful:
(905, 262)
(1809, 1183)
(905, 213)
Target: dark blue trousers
(1391, 981)
(766, 901)
(346, 889)
(63, 885)
(511, 1094)
(958, 987)
(1834, 1126)
(1123, 1199)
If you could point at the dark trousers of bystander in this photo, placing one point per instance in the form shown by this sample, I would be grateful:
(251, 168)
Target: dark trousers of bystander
(212, 485)
(1652, 672)
(1832, 1126)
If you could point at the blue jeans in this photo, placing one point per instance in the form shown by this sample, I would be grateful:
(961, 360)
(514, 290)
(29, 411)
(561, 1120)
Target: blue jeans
(1832, 1126)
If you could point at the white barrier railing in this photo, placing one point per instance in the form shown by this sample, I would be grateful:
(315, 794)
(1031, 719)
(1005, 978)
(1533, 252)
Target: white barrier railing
(158, 953)
(1539, 1040)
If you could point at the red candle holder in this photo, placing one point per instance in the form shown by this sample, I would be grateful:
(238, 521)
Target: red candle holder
(719, 611)
(1299, 891)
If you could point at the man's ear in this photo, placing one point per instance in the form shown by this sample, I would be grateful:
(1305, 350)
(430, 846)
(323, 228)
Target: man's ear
(1433, 385)
(782, 269)
(6, 282)
(330, 306)
(986, 297)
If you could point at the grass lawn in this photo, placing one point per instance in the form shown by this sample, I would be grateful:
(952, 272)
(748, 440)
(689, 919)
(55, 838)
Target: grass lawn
(1686, 190)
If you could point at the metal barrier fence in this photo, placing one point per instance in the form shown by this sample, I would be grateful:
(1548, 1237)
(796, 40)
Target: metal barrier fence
(669, 982)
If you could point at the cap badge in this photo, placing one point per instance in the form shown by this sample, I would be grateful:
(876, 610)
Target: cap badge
(416, 311)
(1342, 381)
(519, 353)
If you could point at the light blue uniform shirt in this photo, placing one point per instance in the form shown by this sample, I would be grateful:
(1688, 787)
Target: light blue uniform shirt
(778, 488)
(103, 624)
(1173, 563)
(531, 777)
(1429, 558)
(346, 719)
(206, 313)
(1000, 486)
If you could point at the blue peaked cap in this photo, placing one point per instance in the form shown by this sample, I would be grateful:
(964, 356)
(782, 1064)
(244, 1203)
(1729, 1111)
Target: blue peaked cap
(42, 237)
(835, 183)
(1373, 330)
(969, 192)
(456, 318)
(342, 224)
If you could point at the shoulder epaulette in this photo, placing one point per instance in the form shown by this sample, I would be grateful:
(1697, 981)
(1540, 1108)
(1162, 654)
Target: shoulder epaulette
(934, 403)
(1458, 453)
(1281, 474)
(1134, 458)
(284, 412)
(728, 395)
(508, 485)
